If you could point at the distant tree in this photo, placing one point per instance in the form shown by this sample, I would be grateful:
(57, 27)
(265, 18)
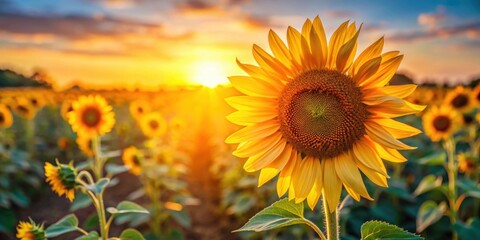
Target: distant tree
(9, 78)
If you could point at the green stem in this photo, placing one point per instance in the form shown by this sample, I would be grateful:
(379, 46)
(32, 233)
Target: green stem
(98, 162)
(452, 183)
(82, 231)
(316, 229)
(101, 217)
(331, 220)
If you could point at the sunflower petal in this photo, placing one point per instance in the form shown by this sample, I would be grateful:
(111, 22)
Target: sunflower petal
(331, 184)
(346, 53)
(261, 160)
(348, 173)
(250, 148)
(378, 134)
(313, 197)
(266, 61)
(336, 41)
(384, 74)
(253, 104)
(320, 32)
(294, 44)
(283, 159)
(364, 152)
(266, 174)
(389, 154)
(373, 175)
(400, 91)
(283, 182)
(245, 118)
(398, 129)
(304, 176)
(253, 87)
(253, 132)
(279, 49)
(371, 52)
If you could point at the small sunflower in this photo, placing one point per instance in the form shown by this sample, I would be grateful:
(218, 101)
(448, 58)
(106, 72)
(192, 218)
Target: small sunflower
(61, 177)
(153, 124)
(85, 144)
(440, 122)
(30, 231)
(37, 101)
(467, 163)
(139, 108)
(131, 157)
(91, 116)
(467, 119)
(6, 118)
(476, 95)
(63, 143)
(460, 99)
(66, 107)
(23, 107)
(316, 117)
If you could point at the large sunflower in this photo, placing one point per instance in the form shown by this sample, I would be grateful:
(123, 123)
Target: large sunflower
(6, 119)
(317, 117)
(153, 124)
(460, 99)
(62, 179)
(440, 122)
(91, 116)
(30, 231)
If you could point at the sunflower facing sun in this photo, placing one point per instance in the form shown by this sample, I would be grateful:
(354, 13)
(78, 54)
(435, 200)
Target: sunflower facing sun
(316, 117)
(440, 122)
(91, 116)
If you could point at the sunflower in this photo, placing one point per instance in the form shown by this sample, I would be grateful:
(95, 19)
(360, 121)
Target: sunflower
(91, 116)
(467, 163)
(316, 117)
(85, 144)
(460, 99)
(440, 122)
(139, 108)
(6, 119)
(476, 95)
(23, 107)
(62, 179)
(66, 107)
(131, 157)
(153, 124)
(30, 231)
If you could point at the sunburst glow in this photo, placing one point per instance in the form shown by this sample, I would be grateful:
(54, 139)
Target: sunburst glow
(209, 74)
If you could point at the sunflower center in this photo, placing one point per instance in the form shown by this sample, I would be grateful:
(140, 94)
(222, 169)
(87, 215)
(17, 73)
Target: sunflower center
(91, 116)
(321, 113)
(153, 124)
(467, 119)
(136, 160)
(442, 123)
(140, 110)
(22, 109)
(460, 101)
(2, 118)
(478, 96)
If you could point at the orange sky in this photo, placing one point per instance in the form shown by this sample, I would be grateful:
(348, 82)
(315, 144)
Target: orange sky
(142, 44)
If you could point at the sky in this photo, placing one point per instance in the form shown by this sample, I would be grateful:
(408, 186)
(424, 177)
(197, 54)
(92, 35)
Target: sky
(149, 43)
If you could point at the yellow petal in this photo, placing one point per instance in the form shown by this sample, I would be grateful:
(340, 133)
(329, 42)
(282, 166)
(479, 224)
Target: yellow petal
(336, 41)
(283, 182)
(399, 91)
(348, 172)
(397, 129)
(253, 132)
(389, 154)
(261, 160)
(250, 148)
(258, 73)
(378, 134)
(346, 53)
(266, 174)
(313, 197)
(367, 69)
(320, 32)
(384, 74)
(391, 107)
(279, 49)
(265, 61)
(294, 44)
(304, 176)
(352, 193)
(373, 175)
(250, 103)
(283, 159)
(371, 52)
(254, 87)
(364, 152)
(332, 185)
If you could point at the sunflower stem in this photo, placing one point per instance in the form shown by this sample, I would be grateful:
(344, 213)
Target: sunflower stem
(98, 164)
(101, 217)
(452, 167)
(331, 220)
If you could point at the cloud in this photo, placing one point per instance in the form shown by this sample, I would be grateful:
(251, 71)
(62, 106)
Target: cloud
(431, 20)
(343, 14)
(470, 30)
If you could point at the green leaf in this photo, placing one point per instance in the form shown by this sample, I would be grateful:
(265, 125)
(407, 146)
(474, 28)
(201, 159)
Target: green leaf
(67, 224)
(471, 230)
(127, 207)
(80, 201)
(90, 236)
(19, 197)
(131, 234)
(433, 159)
(114, 169)
(429, 213)
(8, 220)
(181, 217)
(373, 230)
(280, 214)
(99, 186)
(428, 183)
(471, 188)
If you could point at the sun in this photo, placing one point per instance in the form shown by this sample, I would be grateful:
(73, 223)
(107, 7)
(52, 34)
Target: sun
(209, 74)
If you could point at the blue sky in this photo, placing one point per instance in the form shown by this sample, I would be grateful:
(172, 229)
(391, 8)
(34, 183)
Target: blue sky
(440, 39)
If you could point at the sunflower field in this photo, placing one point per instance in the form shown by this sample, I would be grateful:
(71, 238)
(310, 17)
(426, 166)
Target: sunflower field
(313, 141)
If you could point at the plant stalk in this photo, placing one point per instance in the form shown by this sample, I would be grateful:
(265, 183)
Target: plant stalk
(331, 220)
(452, 183)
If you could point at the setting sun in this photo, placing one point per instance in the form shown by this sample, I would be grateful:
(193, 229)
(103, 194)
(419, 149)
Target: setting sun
(209, 74)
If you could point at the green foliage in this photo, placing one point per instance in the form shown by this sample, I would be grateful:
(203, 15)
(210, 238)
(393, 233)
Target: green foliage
(67, 224)
(126, 207)
(99, 186)
(90, 236)
(374, 230)
(429, 213)
(131, 234)
(470, 230)
(280, 214)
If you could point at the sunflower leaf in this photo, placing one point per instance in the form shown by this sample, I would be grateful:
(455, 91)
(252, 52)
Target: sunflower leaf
(67, 224)
(428, 183)
(429, 213)
(99, 186)
(127, 207)
(373, 230)
(131, 234)
(471, 188)
(433, 159)
(90, 236)
(280, 214)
